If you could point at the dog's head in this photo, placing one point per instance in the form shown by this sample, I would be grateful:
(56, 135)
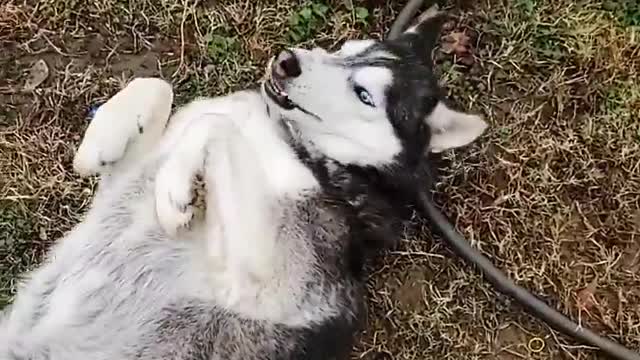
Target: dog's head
(371, 102)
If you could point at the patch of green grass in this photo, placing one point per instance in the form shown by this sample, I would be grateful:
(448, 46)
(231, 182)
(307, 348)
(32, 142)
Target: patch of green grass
(306, 21)
(627, 11)
(549, 42)
(620, 110)
(18, 252)
(528, 7)
(220, 47)
(362, 15)
(623, 100)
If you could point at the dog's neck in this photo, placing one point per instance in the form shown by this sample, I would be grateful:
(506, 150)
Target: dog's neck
(322, 166)
(326, 169)
(394, 182)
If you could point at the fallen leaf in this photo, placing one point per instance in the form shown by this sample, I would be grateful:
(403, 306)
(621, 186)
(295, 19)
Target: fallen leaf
(467, 60)
(456, 43)
(586, 298)
(38, 73)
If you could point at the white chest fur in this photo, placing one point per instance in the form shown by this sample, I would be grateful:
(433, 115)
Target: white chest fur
(253, 176)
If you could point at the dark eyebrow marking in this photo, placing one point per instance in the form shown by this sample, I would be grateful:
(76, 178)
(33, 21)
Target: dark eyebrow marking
(373, 55)
(360, 62)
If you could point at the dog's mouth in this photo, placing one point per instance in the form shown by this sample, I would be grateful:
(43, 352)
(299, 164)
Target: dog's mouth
(274, 89)
(276, 92)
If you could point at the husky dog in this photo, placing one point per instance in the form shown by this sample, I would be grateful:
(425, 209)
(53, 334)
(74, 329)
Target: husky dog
(301, 178)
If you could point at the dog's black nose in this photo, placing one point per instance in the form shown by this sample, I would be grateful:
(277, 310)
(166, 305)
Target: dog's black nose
(287, 64)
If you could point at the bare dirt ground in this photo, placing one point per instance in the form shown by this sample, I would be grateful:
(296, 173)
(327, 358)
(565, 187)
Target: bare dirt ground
(551, 193)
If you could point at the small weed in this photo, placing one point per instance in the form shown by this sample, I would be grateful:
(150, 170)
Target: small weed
(362, 15)
(548, 43)
(221, 48)
(623, 101)
(627, 11)
(307, 20)
(17, 247)
(192, 87)
(528, 6)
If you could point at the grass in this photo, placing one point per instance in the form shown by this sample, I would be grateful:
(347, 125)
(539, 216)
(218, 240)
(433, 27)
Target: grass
(551, 193)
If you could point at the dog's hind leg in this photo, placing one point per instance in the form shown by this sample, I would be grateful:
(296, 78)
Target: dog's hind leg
(125, 128)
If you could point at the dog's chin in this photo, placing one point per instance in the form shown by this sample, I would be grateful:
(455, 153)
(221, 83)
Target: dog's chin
(276, 95)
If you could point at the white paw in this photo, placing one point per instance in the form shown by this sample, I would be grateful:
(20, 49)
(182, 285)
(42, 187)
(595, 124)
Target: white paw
(106, 140)
(175, 181)
(120, 121)
(174, 196)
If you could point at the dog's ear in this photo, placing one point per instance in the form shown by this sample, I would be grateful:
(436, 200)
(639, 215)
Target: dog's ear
(424, 35)
(451, 128)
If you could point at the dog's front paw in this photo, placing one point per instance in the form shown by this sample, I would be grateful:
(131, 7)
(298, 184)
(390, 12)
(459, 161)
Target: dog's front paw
(176, 180)
(174, 197)
(120, 121)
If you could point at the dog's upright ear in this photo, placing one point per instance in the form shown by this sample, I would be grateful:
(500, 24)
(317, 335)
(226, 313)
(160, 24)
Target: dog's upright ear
(452, 129)
(423, 36)
(449, 128)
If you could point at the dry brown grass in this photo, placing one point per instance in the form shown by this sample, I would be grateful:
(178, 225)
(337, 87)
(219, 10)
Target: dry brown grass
(551, 193)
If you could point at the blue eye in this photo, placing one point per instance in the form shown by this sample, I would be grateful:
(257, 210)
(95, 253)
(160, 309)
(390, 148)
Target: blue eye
(364, 96)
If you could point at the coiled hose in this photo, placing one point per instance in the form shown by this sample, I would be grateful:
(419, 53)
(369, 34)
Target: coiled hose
(496, 277)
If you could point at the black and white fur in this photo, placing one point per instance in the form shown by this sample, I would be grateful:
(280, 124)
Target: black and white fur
(302, 178)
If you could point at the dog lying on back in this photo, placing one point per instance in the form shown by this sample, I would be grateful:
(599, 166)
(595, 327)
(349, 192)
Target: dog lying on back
(303, 178)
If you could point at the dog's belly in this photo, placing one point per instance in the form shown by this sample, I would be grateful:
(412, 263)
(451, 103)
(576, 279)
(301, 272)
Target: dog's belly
(137, 296)
(106, 301)
(119, 289)
(144, 301)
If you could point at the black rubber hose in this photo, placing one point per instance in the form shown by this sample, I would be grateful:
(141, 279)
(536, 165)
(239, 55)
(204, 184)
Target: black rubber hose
(496, 277)
(404, 18)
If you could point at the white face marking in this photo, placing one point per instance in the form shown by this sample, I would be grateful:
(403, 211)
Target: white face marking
(345, 113)
(354, 47)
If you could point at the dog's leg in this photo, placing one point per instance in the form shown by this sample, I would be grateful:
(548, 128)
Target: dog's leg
(192, 133)
(175, 178)
(240, 221)
(125, 128)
